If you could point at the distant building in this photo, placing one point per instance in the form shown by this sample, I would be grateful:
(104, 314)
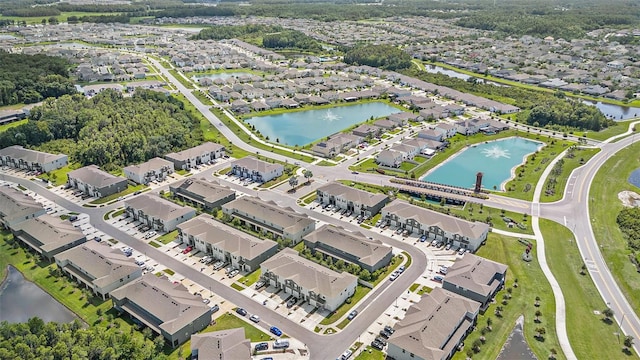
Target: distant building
(308, 281)
(475, 278)
(437, 226)
(208, 194)
(196, 156)
(230, 344)
(389, 158)
(166, 308)
(345, 197)
(156, 169)
(433, 328)
(20, 158)
(98, 267)
(94, 182)
(15, 207)
(355, 248)
(256, 170)
(225, 243)
(9, 116)
(48, 235)
(269, 217)
(156, 212)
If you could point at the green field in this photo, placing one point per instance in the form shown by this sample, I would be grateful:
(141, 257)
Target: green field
(61, 18)
(580, 157)
(5, 127)
(590, 336)
(604, 207)
(531, 283)
(59, 177)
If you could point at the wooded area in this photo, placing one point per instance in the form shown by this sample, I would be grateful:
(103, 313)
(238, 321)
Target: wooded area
(32, 78)
(386, 57)
(235, 31)
(53, 341)
(629, 223)
(108, 130)
(291, 39)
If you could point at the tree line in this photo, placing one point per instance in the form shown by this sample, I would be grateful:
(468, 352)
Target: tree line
(629, 223)
(108, 130)
(552, 110)
(291, 39)
(36, 339)
(221, 32)
(32, 78)
(387, 57)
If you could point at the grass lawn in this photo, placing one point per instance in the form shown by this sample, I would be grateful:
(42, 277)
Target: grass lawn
(5, 127)
(250, 279)
(604, 208)
(325, 163)
(154, 244)
(59, 177)
(230, 321)
(361, 291)
(531, 283)
(558, 183)
(616, 129)
(247, 138)
(370, 353)
(590, 336)
(181, 79)
(202, 97)
(168, 237)
(129, 190)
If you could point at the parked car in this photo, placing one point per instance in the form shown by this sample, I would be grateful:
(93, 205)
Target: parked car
(423, 238)
(262, 346)
(187, 250)
(448, 247)
(73, 218)
(438, 278)
(275, 331)
(352, 315)
(401, 269)
(260, 284)
(389, 329)
(381, 340)
(233, 273)
(255, 318)
(393, 276)
(206, 301)
(346, 355)
(434, 243)
(280, 344)
(399, 231)
(215, 308)
(97, 238)
(385, 334)
(461, 251)
(291, 302)
(241, 311)
(377, 345)
(150, 234)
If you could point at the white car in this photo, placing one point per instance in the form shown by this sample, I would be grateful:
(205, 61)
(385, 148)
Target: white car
(255, 318)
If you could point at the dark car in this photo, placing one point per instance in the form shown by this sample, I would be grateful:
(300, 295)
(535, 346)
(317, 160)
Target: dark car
(262, 346)
(381, 340)
(274, 330)
(291, 302)
(385, 334)
(389, 329)
(241, 311)
(377, 345)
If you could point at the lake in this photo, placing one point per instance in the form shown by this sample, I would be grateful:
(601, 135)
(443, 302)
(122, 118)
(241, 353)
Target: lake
(21, 299)
(495, 159)
(304, 127)
(615, 112)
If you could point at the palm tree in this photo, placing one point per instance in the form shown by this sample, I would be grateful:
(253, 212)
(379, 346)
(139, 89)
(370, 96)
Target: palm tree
(498, 311)
(308, 175)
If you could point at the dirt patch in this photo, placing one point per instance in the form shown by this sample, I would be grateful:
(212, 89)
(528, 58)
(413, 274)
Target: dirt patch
(629, 198)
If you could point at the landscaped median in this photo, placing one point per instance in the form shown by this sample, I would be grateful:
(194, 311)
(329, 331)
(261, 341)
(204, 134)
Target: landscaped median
(557, 180)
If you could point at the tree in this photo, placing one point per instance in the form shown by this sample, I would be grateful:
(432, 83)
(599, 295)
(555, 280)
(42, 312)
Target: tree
(308, 175)
(293, 181)
(365, 275)
(538, 314)
(608, 314)
(628, 342)
(537, 303)
(540, 332)
(498, 311)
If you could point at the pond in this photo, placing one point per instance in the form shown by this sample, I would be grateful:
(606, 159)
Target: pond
(434, 69)
(615, 112)
(21, 299)
(304, 127)
(223, 76)
(495, 159)
(634, 178)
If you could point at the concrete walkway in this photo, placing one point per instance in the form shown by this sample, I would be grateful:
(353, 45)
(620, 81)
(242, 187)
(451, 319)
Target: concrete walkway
(561, 319)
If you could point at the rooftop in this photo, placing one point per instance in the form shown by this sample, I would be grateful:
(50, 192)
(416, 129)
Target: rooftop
(51, 232)
(14, 204)
(284, 217)
(352, 194)
(254, 164)
(28, 155)
(475, 273)
(194, 151)
(157, 207)
(94, 176)
(153, 164)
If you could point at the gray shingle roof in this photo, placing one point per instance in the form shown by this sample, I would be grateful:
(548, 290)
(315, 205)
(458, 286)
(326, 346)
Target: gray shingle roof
(369, 252)
(204, 227)
(230, 344)
(210, 191)
(31, 156)
(172, 304)
(286, 217)
(428, 325)
(94, 176)
(252, 163)
(475, 273)
(194, 151)
(153, 164)
(51, 231)
(287, 264)
(434, 218)
(158, 207)
(15, 205)
(352, 194)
